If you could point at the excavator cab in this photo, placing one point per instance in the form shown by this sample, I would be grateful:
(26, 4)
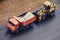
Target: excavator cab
(49, 7)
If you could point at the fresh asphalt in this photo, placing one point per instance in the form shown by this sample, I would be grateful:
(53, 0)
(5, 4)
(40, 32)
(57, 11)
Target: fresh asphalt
(48, 29)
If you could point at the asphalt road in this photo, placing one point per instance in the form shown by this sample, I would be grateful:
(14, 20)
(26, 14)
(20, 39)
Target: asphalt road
(46, 30)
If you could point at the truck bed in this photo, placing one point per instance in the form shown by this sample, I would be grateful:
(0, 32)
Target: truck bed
(26, 19)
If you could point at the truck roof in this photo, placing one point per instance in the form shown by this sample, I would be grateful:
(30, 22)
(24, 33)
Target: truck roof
(15, 22)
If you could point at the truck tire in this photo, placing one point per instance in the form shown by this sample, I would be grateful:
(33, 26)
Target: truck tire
(8, 30)
(12, 32)
(25, 28)
(43, 16)
(52, 13)
(17, 31)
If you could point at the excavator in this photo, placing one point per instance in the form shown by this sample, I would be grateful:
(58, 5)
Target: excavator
(47, 9)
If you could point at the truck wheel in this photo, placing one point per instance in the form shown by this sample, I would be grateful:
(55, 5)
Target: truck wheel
(16, 31)
(27, 26)
(31, 24)
(8, 30)
(43, 16)
(12, 32)
(52, 13)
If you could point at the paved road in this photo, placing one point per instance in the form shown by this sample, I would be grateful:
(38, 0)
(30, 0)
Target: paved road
(46, 30)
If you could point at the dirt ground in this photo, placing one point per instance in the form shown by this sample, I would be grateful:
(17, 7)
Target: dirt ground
(18, 7)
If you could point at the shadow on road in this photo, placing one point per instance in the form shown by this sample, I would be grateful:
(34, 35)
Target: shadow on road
(47, 20)
(12, 35)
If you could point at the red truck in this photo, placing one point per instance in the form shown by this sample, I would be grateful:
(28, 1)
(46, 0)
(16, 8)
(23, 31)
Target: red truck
(16, 23)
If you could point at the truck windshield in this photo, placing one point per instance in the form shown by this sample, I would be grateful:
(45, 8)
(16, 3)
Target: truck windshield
(11, 23)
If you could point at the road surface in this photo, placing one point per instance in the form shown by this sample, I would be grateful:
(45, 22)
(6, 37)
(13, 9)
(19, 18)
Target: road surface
(46, 30)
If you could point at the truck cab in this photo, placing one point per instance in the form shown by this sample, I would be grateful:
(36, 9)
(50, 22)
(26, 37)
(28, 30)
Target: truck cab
(12, 25)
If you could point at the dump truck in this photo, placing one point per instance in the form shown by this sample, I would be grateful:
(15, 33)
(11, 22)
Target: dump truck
(48, 9)
(20, 22)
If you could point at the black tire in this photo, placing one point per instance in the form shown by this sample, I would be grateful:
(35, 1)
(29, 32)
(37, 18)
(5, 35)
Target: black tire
(13, 32)
(52, 13)
(31, 25)
(43, 16)
(17, 31)
(25, 28)
(8, 30)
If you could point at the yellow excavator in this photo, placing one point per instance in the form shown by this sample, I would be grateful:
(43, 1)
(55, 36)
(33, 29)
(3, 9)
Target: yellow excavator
(47, 9)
